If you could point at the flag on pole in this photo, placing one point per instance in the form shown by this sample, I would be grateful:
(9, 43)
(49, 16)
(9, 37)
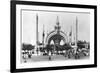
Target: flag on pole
(43, 31)
(70, 34)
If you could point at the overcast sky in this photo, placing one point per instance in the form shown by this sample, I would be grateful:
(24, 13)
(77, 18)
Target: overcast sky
(48, 19)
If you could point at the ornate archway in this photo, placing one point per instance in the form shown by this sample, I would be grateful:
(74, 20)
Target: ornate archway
(57, 38)
(57, 35)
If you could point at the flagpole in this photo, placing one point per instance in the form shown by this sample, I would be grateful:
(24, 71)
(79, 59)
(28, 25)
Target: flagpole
(43, 36)
(71, 34)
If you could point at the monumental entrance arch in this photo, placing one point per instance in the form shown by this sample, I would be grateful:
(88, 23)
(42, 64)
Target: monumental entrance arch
(56, 36)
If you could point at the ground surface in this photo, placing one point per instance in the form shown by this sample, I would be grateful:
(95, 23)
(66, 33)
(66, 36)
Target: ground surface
(53, 58)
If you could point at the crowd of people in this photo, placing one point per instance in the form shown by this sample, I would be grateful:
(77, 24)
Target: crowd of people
(66, 50)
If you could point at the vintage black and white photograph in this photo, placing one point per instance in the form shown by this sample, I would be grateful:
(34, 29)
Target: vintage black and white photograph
(51, 36)
(54, 35)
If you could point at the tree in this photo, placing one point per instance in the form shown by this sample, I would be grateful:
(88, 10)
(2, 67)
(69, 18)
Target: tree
(81, 44)
(27, 46)
(67, 46)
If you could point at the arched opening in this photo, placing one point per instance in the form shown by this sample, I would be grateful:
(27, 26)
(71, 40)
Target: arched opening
(61, 35)
(62, 42)
(52, 42)
(57, 39)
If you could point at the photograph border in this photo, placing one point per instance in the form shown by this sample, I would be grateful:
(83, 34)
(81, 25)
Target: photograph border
(13, 35)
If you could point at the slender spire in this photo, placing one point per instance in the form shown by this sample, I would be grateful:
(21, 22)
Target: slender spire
(76, 35)
(37, 34)
(36, 28)
(57, 27)
(37, 18)
(57, 21)
(76, 29)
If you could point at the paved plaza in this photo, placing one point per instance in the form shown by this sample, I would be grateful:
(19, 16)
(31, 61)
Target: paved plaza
(53, 58)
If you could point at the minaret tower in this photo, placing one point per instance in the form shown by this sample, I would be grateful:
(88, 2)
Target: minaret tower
(37, 33)
(76, 36)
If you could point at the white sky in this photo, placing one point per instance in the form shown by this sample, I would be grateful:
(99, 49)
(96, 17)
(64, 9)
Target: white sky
(48, 19)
